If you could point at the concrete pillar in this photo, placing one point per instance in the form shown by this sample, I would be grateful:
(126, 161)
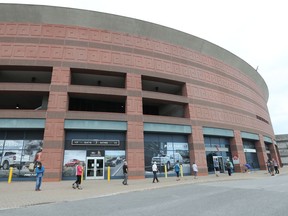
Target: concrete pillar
(135, 134)
(54, 136)
(196, 140)
(237, 151)
(274, 152)
(197, 150)
(261, 152)
(280, 164)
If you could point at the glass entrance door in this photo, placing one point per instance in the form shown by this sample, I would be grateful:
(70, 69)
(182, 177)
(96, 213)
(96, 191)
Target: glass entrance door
(221, 163)
(95, 168)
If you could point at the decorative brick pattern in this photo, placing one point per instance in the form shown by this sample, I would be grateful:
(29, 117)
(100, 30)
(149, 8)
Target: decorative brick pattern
(78, 33)
(94, 35)
(211, 115)
(31, 51)
(202, 93)
(130, 41)
(117, 59)
(56, 52)
(19, 51)
(23, 29)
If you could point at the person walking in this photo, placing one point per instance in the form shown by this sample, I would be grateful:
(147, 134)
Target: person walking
(155, 170)
(268, 166)
(276, 167)
(228, 167)
(177, 170)
(39, 170)
(271, 167)
(216, 166)
(79, 172)
(125, 172)
(231, 166)
(195, 170)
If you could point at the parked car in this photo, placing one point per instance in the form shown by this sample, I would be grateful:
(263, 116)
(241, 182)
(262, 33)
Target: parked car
(13, 159)
(113, 161)
(168, 160)
(72, 163)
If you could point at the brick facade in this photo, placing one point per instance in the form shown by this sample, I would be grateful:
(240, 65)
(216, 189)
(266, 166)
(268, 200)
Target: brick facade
(216, 93)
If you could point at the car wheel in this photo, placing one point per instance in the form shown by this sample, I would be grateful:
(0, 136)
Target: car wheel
(6, 165)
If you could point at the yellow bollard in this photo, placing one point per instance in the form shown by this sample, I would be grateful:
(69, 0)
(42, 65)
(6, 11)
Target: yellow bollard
(165, 170)
(10, 175)
(108, 173)
(82, 175)
(181, 171)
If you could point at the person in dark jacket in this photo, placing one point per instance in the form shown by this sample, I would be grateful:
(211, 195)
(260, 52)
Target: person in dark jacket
(271, 167)
(276, 167)
(228, 167)
(177, 170)
(125, 172)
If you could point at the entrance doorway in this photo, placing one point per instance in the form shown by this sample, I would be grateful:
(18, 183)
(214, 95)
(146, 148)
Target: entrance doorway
(95, 168)
(221, 163)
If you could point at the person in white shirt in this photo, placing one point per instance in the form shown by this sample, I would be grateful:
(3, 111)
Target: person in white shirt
(155, 170)
(195, 170)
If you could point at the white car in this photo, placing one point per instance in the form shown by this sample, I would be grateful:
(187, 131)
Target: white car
(168, 160)
(13, 159)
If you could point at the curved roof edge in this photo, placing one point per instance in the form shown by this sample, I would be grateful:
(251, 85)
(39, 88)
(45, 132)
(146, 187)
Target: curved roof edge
(92, 19)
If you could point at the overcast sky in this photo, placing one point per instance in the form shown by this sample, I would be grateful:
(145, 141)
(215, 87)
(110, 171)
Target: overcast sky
(254, 30)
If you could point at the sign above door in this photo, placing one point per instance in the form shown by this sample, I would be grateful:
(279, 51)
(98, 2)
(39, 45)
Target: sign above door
(95, 142)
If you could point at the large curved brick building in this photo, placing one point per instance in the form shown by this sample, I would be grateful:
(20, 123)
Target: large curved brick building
(98, 88)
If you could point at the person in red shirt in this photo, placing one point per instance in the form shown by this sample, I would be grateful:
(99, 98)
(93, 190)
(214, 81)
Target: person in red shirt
(79, 172)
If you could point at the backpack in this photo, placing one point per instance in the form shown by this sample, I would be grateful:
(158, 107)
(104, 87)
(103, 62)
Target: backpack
(177, 168)
(228, 165)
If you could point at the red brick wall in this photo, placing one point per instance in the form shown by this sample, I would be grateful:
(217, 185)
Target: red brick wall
(218, 95)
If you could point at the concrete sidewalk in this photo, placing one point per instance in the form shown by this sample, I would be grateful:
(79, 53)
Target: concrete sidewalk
(21, 194)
